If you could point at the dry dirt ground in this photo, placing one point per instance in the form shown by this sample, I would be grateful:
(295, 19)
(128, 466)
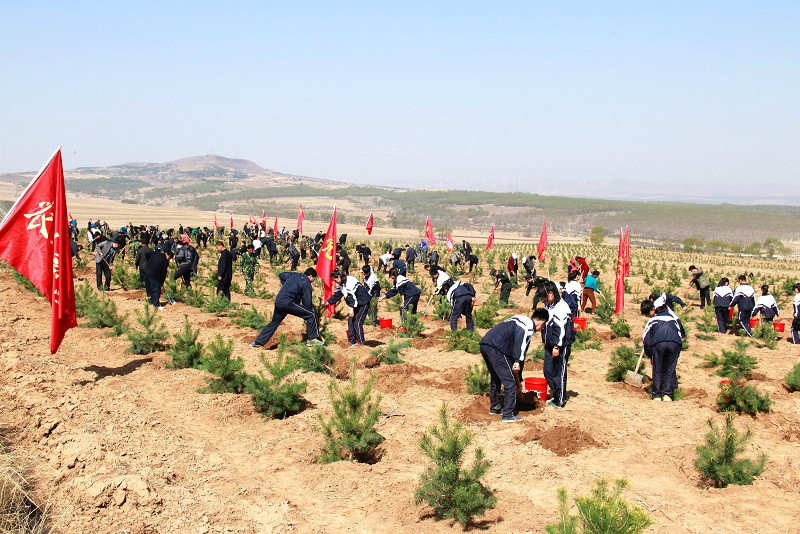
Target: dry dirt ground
(126, 445)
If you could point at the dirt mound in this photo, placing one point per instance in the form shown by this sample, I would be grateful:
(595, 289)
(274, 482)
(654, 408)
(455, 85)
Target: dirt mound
(694, 393)
(399, 378)
(561, 440)
(477, 409)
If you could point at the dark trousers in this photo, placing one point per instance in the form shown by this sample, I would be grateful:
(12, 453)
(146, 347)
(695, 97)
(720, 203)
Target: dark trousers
(185, 271)
(355, 324)
(224, 288)
(505, 292)
(409, 303)
(410, 265)
(500, 374)
(153, 288)
(722, 318)
(280, 313)
(796, 332)
(744, 320)
(462, 306)
(555, 372)
(295, 259)
(705, 297)
(373, 308)
(664, 361)
(103, 270)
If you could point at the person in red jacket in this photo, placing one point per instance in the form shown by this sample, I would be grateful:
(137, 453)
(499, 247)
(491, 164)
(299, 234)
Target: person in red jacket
(513, 264)
(584, 267)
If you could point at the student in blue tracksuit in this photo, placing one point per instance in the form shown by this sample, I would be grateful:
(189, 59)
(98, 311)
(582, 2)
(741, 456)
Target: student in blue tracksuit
(558, 335)
(374, 288)
(744, 298)
(405, 287)
(357, 297)
(796, 320)
(460, 295)
(503, 349)
(666, 299)
(723, 295)
(663, 339)
(573, 288)
(294, 298)
(766, 306)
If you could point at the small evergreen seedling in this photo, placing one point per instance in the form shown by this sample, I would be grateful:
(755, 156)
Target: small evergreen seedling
(186, 351)
(279, 394)
(450, 489)
(102, 313)
(604, 511)
(194, 297)
(250, 317)
(412, 325)
(316, 359)
(620, 328)
(742, 398)
(734, 364)
(229, 371)
(605, 309)
(466, 340)
(484, 314)
(793, 378)
(85, 299)
(718, 460)
(478, 379)
(706, 324)
(443, 309)
(152, 335)
(765, 336)
(584, 340)
(390, 353)
(350, 432)
(218, 304)
(623, 359)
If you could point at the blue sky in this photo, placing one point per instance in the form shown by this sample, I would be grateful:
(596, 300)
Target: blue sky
(535, 96)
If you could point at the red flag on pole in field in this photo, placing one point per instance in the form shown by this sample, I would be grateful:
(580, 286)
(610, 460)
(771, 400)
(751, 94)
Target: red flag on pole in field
(216, 224)
(429, 232)
(326, 263)
(450, 243)
(490, 243)
(34, 239)
(264, 220)
(301, 216)
(619, 281)
(541, 249)
(369, 224)
(252, 219)
(627, 253)
(231, 214)
(275, 227)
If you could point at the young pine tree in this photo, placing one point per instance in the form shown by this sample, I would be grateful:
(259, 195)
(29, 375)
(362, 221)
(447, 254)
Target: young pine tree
(152, 335)
(718, 460)
(249, 317)
(279, 394)
(317, 359)
(742, 398)
(186, 351)
(623, 359)
(466, 340)
(390, 353)
(478, 379)
(620, 328)
(450, 489)
(734, 364)
(230, 375)
(412, 325)
(793, 378)
(350, 432)
(85, 299)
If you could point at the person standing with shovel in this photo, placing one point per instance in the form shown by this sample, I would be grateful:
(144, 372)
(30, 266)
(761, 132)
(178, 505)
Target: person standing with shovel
(663, 340)
(700, 281)
(105, 252)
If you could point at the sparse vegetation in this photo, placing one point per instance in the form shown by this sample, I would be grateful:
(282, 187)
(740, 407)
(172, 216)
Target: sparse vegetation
(151, 336)
(230, 375)
(718, 459)
(390, 353)
(742, 398)
(186, 351)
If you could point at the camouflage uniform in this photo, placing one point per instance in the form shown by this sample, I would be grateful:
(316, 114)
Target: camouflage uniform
(249, 268)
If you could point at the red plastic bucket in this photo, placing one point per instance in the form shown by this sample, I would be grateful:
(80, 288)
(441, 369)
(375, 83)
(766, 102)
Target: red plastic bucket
(386, 323)
(731, 312)
(753, 323)
(580, 323)
(778, 327)
(537, 384)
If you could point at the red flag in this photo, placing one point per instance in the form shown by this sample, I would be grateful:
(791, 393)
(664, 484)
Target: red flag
(326, 263)
(429, 232)
(216, 224)
(252, 219)
(542, 248)
(369, 224)
(490, 243)
(231, 214)
(619, 281)
(627, 253)
(450, 243)
(264, 220)
(275, 227)
(34, 239)
(301, 216)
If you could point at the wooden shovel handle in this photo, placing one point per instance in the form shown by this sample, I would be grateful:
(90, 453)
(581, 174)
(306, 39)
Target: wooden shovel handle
(638, 363)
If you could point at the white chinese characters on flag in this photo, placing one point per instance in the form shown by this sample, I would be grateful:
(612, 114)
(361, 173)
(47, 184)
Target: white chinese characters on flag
(34, 239)
(450, 244)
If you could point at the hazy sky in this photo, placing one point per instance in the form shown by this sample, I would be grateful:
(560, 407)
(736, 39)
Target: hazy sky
(512, 95)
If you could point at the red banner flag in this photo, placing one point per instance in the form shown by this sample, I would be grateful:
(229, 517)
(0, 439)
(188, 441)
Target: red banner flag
(369, 224)
(542, 247)
(326, 263)
(34, 239)
(275, 227)
(619, 280)
(490, 243)
(216, 224)
(231, 214)
(252, 219)
(301, 216)
(429, 232)
(450, 243)
(627, 253)
(264, 220)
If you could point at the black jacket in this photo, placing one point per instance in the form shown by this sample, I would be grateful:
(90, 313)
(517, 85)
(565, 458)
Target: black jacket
(156, 263)
(744, 297)
(141, 257)
(559, 331)
(403, 286)
(662, 328)
(353, 292)
(512, 337)
(295, 289)
(225, 266)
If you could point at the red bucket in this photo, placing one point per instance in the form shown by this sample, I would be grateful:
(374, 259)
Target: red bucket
(779, 327)
(386, 323)
(753, 323)
(731, 312)
(537, 384)
(580, 323)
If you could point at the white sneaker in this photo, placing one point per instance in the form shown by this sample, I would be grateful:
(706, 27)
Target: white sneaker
(161, 307)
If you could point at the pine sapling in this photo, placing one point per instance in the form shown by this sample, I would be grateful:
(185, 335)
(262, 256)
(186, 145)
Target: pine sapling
(151, 336)
(478, 379)
(186, 351)
(584, 340)
(350, 432)
(230, 375)
(793, 378)
(194, 297)
(85, 299)
(620, 328)
(277, 394)
(742, 398)
(706, 324)
(390, 353)
(765, 336)
(605, 309)
(466, 340)
(718, 460)
(102, 313)
(249, 317)
(316, 359)
(734, 364)
(443, 309)
(450, 489)
(412, 325)
(623, 359)
(219, 304)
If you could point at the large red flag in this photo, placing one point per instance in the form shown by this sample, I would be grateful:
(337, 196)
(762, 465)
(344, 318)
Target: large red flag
(619, 281)
(216, 224)
(231, 214)
(490, 243)
(429, 232)
(264, 220)
(275, 227)
(542, 247)
(34, 239)
(326, 263)
(369, 224)
(450, 243)
(301, 216)
(627, 253)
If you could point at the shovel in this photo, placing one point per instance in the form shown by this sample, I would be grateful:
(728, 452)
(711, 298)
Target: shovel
(633, 377)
